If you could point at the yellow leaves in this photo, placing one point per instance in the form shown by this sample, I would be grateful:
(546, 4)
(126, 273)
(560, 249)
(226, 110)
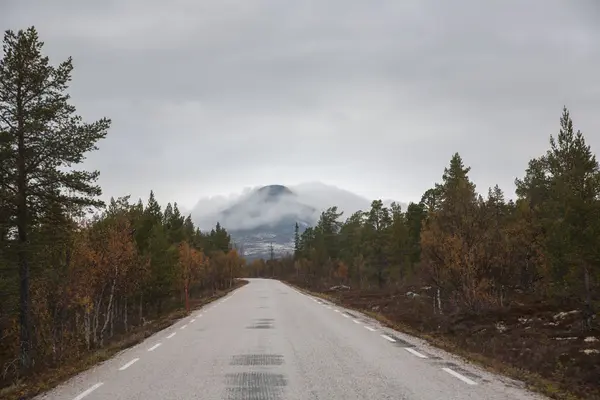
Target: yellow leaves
(104, 254)
(341, 271)
(456, 255)
(191, 263)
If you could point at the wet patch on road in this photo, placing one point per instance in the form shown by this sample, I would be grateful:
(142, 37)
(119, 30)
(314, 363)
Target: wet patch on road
(262, 323)
(257, 359)
(255, 386)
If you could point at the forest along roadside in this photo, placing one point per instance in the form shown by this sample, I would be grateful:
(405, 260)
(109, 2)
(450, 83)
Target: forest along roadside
(51, 378)
(520, 342)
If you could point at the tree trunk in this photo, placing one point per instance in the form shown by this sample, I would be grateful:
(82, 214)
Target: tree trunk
(87, 327)
(588, 312)
(112, 319)
(22, 228)
(125, 317)
(141, 309)
(187, 298)
(108, 310)
(96, 321)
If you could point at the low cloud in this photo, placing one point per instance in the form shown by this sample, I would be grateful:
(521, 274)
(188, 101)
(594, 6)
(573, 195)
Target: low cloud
(253, 208)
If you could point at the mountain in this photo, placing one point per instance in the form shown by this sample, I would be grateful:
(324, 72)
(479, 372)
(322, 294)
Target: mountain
(266, 215)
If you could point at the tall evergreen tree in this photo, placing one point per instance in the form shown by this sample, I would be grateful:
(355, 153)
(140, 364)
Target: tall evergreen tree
(41, 140)
(564, 188)
(296, 240)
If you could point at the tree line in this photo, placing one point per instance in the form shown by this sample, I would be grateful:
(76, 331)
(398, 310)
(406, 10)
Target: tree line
(75, 272)
(472, 251)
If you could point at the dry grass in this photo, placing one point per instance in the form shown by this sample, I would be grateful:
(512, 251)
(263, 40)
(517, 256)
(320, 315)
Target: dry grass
(35, 384)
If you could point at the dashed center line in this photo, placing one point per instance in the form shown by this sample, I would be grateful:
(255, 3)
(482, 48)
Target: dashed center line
(154, 347)
(416, 353)
(459, 376)
(129, 364)
(171, 335)
(345, 316)
(369, 328)
(90, 390)
(184, 326)
(336, 310)
(356, 321)
(386, 337)
(193, 320)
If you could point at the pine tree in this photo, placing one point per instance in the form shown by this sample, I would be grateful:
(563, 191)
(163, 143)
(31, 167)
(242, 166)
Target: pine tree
(296, 241)
(574, 190)
(377, 235)
(414, 216)
(168, 216)
(175, 225)
(41, 135)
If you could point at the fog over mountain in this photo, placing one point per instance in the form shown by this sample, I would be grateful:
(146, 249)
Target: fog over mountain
(208, 211)
(261, 217)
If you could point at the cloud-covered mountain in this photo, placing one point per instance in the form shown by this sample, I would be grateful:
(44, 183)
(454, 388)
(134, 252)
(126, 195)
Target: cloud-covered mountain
(265, 216)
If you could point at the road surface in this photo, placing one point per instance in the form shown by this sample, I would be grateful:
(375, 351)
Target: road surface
(268, 341)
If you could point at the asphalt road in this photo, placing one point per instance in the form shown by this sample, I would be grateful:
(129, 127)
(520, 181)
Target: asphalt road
(268, 341)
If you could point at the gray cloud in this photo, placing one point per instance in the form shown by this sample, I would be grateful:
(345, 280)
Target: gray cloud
(213, 96)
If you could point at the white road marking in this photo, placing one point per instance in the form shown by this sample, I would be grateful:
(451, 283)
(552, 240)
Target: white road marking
(154, 347)
(356, 321)
(183, 327)
(369, 328)
(459, 376)
(329, 307)
(336, 310)
(345, 316)
(386, 337)
(129, 364)
(416, 353)
(171, 335)
(90, 390)
(193, 320)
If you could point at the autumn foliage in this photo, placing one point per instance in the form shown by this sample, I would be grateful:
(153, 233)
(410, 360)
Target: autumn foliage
(94, 280)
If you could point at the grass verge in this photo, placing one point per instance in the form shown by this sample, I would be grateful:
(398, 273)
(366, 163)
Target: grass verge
(35, 384)
(532, 380)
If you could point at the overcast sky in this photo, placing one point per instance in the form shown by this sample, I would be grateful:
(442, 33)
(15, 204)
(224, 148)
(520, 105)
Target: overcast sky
(208, 97)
